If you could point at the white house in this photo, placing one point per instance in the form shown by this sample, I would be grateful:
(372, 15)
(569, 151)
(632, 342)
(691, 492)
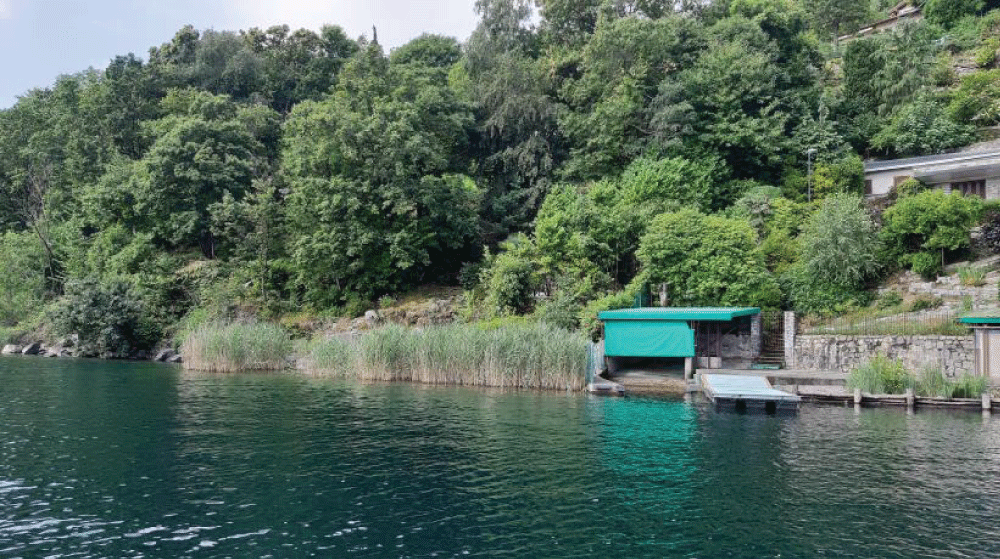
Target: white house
(971, 173)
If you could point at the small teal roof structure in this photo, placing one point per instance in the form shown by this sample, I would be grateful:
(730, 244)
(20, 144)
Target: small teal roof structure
(980, 320)
(660, 331)
(722, 314)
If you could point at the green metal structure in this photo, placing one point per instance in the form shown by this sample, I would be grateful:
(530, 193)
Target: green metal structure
(660, 331)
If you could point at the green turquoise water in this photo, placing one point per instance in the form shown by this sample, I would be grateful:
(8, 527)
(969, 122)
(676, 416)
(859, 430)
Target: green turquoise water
(103, 459)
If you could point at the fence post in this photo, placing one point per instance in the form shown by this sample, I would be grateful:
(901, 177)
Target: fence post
(790, 332)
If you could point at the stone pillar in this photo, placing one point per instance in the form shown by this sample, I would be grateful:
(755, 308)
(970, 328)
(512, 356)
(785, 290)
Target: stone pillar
(756, 336)
(688, 368)
(992, 189)
(790, 329)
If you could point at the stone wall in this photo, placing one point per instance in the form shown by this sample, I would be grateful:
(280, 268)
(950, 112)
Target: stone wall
(953, 354)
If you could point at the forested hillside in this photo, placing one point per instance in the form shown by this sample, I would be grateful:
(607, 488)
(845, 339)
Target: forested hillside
(564, 156)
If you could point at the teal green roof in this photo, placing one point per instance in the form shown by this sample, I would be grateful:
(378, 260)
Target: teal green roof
(980, 320)
(679, 313)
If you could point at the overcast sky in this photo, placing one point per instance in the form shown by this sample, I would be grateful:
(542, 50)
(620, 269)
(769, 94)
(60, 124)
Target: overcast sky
(41, 39)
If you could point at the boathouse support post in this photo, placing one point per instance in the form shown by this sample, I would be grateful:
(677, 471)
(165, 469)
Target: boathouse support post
(688, 368)
(987, 402)
(857, 396)
(911, 399)
(756, 335)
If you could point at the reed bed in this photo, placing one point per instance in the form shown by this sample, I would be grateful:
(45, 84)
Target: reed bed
(231, 347)
(534, 356)
(882, 375)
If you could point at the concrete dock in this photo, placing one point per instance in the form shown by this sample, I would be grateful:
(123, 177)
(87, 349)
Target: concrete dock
(746, 393)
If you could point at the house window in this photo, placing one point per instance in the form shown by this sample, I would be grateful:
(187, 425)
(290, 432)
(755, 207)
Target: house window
(970, 188)
(868, 187)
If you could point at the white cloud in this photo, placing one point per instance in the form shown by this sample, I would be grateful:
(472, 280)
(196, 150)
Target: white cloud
(397, 21)
(5, 11)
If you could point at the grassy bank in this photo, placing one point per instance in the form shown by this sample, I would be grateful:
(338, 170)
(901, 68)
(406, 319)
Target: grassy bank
(513, 356)
(230, 347)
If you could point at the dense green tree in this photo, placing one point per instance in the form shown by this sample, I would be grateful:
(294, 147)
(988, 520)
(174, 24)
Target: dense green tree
(377, 195)
(706, 261)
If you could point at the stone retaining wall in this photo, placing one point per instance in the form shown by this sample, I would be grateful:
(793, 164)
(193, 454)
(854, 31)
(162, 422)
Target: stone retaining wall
(953, 354)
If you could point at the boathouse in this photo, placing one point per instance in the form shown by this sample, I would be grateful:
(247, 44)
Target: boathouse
(671, 333)
(987, 336)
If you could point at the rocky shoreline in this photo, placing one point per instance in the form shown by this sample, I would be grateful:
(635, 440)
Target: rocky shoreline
(66, 348)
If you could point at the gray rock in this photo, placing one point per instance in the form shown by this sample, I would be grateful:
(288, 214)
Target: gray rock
(372, 317)
(164, 355)
(32, 349)
(175, 359)
(10, 349)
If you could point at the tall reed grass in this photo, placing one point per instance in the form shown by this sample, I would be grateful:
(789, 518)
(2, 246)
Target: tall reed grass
(230, 347)
(882, 375)
(535, 356)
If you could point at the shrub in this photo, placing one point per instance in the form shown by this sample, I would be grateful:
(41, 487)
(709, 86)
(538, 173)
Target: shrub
(880, 375)
(922, 127)
(839, 243)
(107, 318)
(930, 223)
(386, 301)
(807, 295)
(230, 347)
(509, 286)
(926, 264)
(560, 310)
(949, 12)
(925, 302)
(889, 300)
(986, 54)
(975, 99)
(973, 276)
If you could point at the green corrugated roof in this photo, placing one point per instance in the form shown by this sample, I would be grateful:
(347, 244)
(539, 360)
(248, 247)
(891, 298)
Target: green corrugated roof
(980, 320)
(679, 313)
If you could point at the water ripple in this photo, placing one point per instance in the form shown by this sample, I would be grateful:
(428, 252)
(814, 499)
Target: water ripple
(140, 460)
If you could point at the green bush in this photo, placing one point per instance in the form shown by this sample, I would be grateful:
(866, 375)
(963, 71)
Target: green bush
(973, 276)
(949, 12)
(922, 127)
(889, 300)
(920, 231)
(807, 295)
(107, 318)
(975, 101)
(924, 303)
(509, 285)
(986, 54)
(880, 375)
(926, 264)
(560, 310)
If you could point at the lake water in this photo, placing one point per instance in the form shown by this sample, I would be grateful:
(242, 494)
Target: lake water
(103, 459)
